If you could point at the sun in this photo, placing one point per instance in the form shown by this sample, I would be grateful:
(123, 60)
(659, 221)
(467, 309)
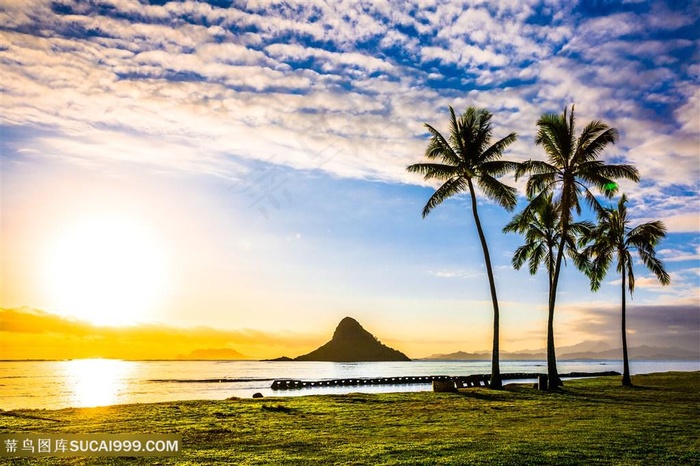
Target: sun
(108, 271)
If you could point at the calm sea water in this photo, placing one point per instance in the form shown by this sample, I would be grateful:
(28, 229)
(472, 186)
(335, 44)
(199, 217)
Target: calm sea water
(100, 382)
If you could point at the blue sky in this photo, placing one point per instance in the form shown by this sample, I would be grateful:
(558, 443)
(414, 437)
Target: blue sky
(262, 146)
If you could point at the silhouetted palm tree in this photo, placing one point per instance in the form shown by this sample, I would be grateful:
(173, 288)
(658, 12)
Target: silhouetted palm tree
(541, 225)
(613, 239)
(571, 169)
(468, 156)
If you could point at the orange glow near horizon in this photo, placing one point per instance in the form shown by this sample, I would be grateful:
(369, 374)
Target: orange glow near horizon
(107, 271)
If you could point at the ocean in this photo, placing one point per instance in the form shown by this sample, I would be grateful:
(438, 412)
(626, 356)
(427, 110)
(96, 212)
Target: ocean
(101, 382)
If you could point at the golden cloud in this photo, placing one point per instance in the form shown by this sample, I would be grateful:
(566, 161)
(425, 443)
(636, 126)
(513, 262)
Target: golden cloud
(34, 334)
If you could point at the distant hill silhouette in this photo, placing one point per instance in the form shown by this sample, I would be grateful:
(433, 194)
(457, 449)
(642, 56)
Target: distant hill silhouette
(352, 343)
(574, 352)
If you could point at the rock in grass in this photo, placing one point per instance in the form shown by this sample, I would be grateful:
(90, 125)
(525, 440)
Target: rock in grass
(257, 395)
(442, 386)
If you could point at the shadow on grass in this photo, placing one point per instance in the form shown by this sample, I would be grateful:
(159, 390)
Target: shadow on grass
(484, 394)
(277, 409)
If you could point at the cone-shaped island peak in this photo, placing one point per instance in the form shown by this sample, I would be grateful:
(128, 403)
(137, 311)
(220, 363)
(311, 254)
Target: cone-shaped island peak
(352, 343)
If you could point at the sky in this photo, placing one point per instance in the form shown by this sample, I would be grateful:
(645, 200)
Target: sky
(188, 175)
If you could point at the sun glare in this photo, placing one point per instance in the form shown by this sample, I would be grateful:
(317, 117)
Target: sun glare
(96, 382)
(107, 271)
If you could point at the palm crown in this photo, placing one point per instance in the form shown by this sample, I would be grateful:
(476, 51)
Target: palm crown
(573, 163)
(467, 155)
(541, 226)
(614, 238)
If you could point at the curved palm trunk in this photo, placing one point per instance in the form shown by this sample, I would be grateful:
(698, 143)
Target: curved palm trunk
(626, 380)
(552, 373)
(495, 381)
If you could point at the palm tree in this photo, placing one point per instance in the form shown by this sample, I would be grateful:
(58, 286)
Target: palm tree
(460, 160)
(571, 169)
(613, 238)
(541, 225)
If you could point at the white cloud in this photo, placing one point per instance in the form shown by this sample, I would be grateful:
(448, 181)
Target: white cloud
(678, 255)
(221, 92)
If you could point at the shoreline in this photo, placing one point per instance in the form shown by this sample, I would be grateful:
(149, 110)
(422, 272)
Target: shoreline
(85, 383)
(590, 421)
(284, 397)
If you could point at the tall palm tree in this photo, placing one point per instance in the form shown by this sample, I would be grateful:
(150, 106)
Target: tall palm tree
(541, 225)
(571, 169)
(468, 156)
(613, 239)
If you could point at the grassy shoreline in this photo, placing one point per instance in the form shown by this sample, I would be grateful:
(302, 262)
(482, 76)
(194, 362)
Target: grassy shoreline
(591, 421)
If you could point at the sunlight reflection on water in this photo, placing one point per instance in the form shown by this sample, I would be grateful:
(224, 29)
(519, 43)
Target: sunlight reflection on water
(100, 382)
(96, 382)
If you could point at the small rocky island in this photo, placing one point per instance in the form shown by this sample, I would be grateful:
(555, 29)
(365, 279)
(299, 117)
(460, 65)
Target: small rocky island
(352, 343)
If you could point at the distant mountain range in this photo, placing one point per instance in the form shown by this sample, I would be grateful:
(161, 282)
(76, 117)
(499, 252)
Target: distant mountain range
(586, 350)
(352, 343)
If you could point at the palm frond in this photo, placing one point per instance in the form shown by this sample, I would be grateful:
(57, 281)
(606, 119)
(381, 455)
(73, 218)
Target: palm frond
(504, 195)
(590, 199)
(519, 223)
(457, 133)
(630, 272)
(594, 138)
(571, 129)
(540, 183)
(481, 131)
(554, 136)
(498, 168)
(534, 167)
(520, 255)
(495, 151)
(646, 235)
(539, 255)
(433, 170)
(624, 171)
(655, 266)
(602, 176)
(440, 148)
(600, 263)
(450, 188)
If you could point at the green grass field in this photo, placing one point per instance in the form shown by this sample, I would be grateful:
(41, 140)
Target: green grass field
(593, 421)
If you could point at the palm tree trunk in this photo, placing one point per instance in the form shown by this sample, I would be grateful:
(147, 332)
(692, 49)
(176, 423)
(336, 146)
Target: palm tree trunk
(626, 380)
(552, 373)
(495, 381)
